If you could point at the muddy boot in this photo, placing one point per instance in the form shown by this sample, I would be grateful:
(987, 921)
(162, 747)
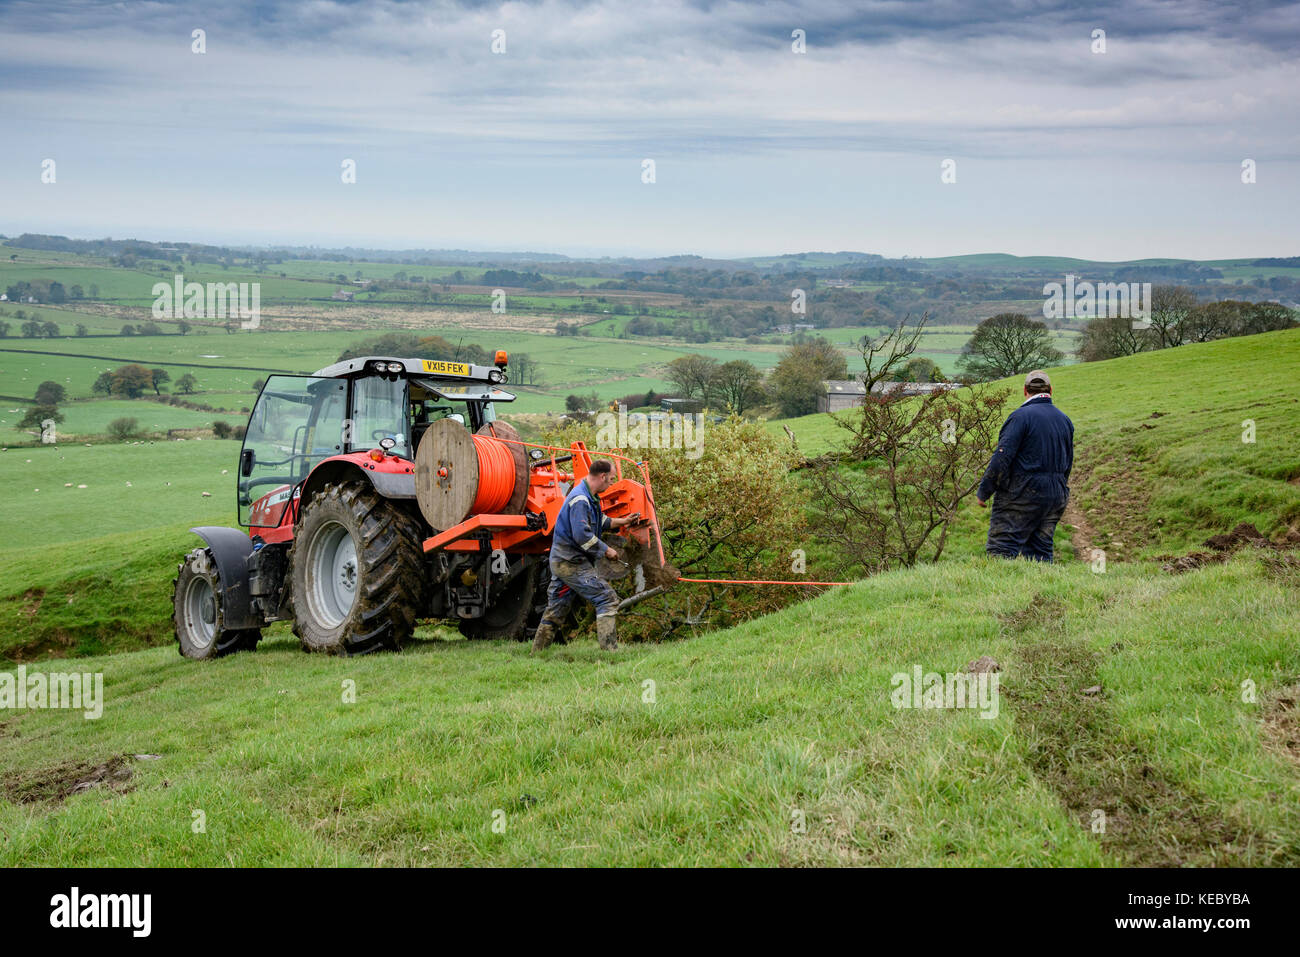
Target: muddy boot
(607, 632)
(544, 636)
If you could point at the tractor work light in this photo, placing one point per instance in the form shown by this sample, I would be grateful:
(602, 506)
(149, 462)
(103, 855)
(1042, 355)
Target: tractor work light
(496, 375)
(396, 367)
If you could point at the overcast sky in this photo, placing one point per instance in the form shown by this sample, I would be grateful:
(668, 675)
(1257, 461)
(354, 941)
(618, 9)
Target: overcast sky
(758, 149)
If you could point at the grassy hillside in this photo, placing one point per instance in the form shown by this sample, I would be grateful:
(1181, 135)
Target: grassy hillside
(784, 720)
(88, 570)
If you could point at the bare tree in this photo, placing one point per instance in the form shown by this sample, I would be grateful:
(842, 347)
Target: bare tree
(1113, 336)
(920, 457)
(1170, 307)
(890, 492)
(885, 355)
(1007, 344)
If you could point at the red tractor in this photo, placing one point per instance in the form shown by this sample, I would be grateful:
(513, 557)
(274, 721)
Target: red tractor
(377, 492)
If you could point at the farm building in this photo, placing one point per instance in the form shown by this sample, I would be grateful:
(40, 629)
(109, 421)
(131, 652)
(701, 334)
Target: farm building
(848, 393)
(840, 394)
(681, 405)
(344, 295)
(914, 388)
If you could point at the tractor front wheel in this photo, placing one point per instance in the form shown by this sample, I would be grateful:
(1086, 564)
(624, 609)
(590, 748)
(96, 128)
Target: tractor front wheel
(357, 572)
(198, 615)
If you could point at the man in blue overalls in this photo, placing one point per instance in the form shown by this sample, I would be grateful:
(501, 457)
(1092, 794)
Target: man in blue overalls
(575, 546)
(1028, 476)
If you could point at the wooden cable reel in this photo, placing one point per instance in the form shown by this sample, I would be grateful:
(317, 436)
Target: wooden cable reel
(458, 474)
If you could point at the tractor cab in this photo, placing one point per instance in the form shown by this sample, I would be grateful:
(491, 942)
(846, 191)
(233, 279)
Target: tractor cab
(372, 404)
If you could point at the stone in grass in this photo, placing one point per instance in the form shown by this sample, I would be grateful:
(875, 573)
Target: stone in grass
(983, 665)
(1094, 690)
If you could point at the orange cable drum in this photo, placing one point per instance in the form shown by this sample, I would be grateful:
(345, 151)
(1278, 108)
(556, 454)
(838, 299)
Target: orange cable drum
(496, 476)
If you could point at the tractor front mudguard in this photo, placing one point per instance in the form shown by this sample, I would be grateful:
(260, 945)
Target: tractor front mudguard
(230, 549)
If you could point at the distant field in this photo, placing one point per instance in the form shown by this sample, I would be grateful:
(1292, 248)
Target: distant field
(21, 373)
(167, 479)
(93, 417)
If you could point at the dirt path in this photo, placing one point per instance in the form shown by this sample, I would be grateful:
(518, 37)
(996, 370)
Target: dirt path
(1081, 535)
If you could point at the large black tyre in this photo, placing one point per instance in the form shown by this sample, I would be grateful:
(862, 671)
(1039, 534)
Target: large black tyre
(515, 613)
(356, 572)
(197, 615)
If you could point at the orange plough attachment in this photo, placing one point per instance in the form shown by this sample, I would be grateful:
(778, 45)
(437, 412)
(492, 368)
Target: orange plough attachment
(548, 483)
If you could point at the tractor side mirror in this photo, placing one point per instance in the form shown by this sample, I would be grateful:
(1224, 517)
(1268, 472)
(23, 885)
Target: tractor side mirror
(246, 463)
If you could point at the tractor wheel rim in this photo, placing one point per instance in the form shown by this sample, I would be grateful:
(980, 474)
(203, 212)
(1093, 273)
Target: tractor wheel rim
(201, 612)
(333, 565)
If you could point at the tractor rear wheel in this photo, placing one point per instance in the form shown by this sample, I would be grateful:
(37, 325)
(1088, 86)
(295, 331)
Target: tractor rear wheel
(357, 572)
(197, 613)
(515, 612)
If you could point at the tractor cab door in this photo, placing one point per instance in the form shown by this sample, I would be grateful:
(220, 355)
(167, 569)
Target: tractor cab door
(298, 420)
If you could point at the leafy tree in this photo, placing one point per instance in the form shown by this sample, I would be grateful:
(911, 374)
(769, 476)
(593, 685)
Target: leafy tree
(39, 414)
(186, 384)
(4, 330)
(131, 381)
(82, 331)
(104, 384)
(737, 385)
(128, 329)
(692, 376)
(50, 392)
(49, 329)
(921, 369)
(150, 329)
(32, 328)
(159, 376)
(1007, 344)
(183, 326)
(798, 377)
(582, 403)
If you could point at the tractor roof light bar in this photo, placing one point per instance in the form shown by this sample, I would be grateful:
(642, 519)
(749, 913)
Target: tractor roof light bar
(395, 365)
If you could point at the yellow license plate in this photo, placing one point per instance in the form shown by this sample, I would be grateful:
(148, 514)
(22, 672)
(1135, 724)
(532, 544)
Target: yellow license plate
(437, 367)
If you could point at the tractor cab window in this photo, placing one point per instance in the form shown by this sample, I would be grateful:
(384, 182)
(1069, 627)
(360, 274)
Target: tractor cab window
(297, 421)
(472, 404)
(427, 408)
(379, 412)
